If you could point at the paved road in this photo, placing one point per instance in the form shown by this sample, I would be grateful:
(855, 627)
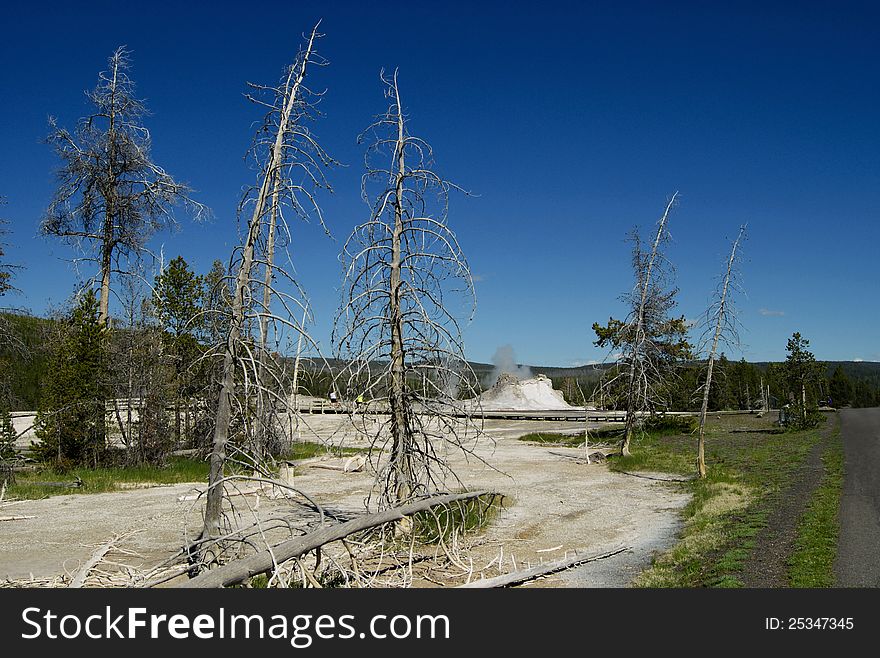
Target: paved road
(858, 553)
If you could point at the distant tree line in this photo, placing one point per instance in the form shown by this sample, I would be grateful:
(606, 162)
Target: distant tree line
(737, 386)
(134, 392)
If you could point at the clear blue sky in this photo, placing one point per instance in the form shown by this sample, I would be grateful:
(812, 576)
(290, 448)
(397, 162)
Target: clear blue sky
(571, 122)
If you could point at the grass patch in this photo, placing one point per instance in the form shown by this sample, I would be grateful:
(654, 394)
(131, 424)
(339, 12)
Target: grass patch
(812, 563)
(466, 516)
(102, 480)
(605, 434)
(671, 424)
(554, 438)
(747, 467)
(308, 449)
(107, 479)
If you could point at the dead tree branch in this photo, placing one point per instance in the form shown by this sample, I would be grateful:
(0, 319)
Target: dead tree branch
(520, 577)
(264, 561)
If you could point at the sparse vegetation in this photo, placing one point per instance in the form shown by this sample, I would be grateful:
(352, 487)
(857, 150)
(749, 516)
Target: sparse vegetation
(730, 506)
(307, 449)
(554, 438)
(437, 525)
(102, 480)
(812, 564)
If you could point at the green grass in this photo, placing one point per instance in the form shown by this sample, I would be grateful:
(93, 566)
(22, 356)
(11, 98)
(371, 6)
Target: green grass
(106, 479)
(728, 509)
(603, 435)
(101, 480)
(466, 516)
(812, 563)
(307, 449)
(553, 438)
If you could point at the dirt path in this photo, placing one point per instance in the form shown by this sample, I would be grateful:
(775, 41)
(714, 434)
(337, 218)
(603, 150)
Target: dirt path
(767, 564)
(555, 506)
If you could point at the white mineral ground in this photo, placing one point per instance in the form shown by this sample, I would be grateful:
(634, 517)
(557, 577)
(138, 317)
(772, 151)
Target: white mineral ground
(554, 506)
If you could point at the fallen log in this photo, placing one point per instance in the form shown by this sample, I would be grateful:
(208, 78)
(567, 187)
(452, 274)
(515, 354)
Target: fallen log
(596, 457)
(686, 478)
(80, 578)
(16, 517)
(73, 484)
(237, 571)
(519, 577)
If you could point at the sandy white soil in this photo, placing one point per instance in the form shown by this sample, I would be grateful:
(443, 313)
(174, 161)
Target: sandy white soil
(554, 506)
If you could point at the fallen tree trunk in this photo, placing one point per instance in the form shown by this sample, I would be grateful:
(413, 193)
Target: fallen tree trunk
(73, 484)
(80, 578)
(238, 571)
(18, 517)
(595, 457)
(519, 577)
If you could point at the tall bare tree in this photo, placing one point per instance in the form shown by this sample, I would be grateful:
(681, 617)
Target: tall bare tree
(290, 165)
(10, 343)
(721, 321)
(649, 340)
(5, 267)
(406, 283)
(111, 198)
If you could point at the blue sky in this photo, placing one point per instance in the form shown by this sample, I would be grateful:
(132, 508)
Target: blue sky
(570, 123)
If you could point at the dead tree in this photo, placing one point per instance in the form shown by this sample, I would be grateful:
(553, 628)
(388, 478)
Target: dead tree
(398, 327)
(721, 321)
(6, 269)
(11, 344)
(649, 341)
(268, 560)
(111, 198)
(290, 166)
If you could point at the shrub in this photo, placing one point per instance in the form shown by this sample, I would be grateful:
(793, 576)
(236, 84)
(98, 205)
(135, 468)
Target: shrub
(671, 424)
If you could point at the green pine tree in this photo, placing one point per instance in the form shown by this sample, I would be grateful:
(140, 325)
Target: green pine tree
(71, 423)
(802, 373)
(177, 301)
(840, 388)
(7, 437)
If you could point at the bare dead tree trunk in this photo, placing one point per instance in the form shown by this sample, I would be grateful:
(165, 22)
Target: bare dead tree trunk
(721, 318)
(636, 356)
(263, 418)
(296, 363)
(104, 308)
(804, 403)
(107, 242)
(400, 434)
(238, 311)
(398, 324)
